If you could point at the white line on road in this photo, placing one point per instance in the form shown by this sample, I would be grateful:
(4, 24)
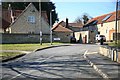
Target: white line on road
(105, 76)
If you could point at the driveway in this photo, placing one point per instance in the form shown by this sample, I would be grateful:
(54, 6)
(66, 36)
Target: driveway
(60, 62)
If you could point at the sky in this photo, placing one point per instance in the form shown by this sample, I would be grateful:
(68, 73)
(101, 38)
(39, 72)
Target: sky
(73, 9)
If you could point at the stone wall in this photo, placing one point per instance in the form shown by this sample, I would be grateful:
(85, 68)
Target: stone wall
(63, 36)
(24, 38)
(111, 52)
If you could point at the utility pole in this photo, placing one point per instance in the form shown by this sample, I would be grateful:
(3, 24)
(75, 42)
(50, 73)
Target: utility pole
(116, 24)
(51, 27)
(40, 22)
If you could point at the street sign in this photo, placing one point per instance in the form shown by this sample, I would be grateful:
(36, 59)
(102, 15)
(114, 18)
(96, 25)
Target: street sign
(57, 39)
(40, 33)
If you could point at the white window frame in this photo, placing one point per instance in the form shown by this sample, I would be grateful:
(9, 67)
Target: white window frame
(31, 19)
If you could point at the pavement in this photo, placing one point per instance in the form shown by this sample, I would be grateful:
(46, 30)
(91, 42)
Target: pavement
(104, 66)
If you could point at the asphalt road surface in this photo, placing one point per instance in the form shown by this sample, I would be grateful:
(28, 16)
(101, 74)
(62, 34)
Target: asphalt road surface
(60, 62)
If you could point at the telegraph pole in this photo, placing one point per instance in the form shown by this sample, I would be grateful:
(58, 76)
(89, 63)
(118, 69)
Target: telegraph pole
(116, 24)
(40, 22)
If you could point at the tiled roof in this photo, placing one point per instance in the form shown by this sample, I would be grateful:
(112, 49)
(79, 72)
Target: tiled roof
(60, 23)
(79, 25)
(6, 18)
(60, 28)
(110, 19)
(44, 15)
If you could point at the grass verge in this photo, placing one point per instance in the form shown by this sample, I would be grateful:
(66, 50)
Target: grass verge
(25, 47)
(113, 43)
(21, 47)
(6, 55)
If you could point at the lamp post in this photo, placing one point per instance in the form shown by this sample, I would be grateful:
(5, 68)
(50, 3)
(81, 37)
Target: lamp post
(51, 26)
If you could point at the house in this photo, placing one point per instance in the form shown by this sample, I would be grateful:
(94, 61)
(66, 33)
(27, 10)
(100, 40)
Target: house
(69, 29)
(6, 19)
(104, 25)
(25, 21)
(61, 32)
(25, 26)
(76, 27)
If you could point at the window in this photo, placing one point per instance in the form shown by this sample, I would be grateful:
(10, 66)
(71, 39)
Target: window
(107, 17)
(95, 22)
(31, 19)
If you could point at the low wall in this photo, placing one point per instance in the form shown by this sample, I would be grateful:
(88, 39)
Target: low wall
(24, 38)
(111, 52)
(63, 36)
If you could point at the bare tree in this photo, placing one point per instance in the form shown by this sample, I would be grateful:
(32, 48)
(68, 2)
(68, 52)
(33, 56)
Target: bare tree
(83, 19)
(78, 20)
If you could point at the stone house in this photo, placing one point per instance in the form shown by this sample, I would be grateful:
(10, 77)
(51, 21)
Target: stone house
(25, 21)
(29, 22)
(61, 33)
(66, 29)
(24, 26)
(104, 25)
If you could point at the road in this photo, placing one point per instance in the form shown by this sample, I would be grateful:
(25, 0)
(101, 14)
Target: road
(59, 62)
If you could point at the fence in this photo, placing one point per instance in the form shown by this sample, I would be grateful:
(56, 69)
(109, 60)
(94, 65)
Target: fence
(24, 38)
(111, 52)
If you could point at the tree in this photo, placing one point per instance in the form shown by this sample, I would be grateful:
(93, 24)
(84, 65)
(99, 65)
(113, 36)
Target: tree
(78, 20)
(83, 19)
(45, 6)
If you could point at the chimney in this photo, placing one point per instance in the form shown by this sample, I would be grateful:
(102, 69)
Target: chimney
(66, 22)
(11, 13)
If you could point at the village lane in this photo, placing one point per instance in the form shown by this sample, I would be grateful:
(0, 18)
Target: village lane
(58, 62)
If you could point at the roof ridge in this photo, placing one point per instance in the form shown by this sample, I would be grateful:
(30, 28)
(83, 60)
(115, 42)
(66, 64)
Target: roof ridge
(57, 25)
(106, 14)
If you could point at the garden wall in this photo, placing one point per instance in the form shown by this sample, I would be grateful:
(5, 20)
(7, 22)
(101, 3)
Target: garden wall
(24, 38)
(111, 52)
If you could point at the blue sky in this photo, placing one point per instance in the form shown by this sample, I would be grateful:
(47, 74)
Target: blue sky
(72, 10)
(76, 8)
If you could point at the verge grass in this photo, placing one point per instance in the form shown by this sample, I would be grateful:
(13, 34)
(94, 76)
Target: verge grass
(113, 43)
(21, 47)
(26, 47)
(5, 55)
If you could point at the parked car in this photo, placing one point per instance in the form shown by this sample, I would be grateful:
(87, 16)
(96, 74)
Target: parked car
(72, 40)
(98, 38)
